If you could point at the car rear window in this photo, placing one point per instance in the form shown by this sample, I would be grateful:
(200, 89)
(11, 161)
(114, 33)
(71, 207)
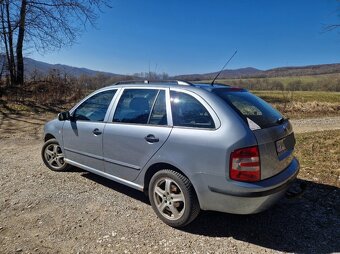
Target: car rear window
(250, 107)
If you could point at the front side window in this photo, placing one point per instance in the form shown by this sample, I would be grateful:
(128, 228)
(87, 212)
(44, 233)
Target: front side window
(95, 107)
(140, 106)
(189, 112)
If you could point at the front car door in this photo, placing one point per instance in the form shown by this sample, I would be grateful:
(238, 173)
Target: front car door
(82, 135)
(138, 129)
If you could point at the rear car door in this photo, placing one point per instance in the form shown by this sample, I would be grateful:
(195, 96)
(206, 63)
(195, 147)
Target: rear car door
(82, 135)
(138, 129)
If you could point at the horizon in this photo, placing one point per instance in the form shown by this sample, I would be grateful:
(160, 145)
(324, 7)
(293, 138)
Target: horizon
(226, 69)
(267, 35)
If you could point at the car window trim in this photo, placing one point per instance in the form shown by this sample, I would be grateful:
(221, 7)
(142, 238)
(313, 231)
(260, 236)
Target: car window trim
(153, 105)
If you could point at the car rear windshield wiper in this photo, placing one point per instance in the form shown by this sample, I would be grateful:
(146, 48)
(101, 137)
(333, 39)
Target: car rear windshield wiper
(281, 120)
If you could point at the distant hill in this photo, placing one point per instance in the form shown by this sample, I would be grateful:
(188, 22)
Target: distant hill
(236, 73)
(302, 70)
(275, 72)
(43, 68)
(32, 65)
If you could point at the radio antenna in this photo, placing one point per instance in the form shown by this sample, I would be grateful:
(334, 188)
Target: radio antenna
(218, 74)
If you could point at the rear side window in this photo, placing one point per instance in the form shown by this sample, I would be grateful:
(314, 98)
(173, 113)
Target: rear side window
(141, 106)
(189, 112)
(95, 107)
(250, 107)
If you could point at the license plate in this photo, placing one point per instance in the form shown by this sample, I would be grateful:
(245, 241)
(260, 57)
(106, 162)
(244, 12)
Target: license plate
(280, 146)
(286, 143)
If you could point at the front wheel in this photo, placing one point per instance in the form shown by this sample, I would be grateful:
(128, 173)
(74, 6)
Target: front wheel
(173, 198)
(53, 156)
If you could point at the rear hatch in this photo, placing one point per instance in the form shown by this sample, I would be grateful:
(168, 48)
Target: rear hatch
(273, 132)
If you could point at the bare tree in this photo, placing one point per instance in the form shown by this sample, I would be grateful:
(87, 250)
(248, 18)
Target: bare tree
(45, 25)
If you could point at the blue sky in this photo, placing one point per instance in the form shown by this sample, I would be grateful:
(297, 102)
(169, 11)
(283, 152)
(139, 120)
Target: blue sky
(194, 36)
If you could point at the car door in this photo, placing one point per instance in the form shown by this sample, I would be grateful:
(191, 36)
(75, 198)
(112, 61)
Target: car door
(82, 135)
(138, 130)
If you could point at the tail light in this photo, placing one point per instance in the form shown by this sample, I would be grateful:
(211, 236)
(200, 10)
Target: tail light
(245, 165)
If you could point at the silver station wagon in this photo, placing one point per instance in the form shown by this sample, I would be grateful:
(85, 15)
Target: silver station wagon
(189, 147)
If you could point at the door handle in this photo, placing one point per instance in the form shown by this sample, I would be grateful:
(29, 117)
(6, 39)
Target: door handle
(151, 138)
(96, 131)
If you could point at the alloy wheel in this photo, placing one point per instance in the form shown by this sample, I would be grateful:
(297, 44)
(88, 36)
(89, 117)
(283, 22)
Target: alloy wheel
(169, 198)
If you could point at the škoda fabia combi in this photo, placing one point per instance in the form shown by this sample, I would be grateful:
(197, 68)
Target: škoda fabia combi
(189, 147)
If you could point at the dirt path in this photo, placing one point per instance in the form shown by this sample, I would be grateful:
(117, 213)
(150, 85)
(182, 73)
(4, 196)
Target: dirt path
(78, 212)
(315, 124)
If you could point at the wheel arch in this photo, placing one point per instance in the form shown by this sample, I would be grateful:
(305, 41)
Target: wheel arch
(48, 136)
(154, 168)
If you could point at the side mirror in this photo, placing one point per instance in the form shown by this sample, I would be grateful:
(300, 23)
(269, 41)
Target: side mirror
(63, 116)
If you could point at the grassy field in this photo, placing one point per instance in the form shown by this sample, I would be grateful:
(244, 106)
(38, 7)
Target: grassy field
(288, 79)
(299, 96)
(296, 96)
(319, 156)
(303, 104)
(325, 82)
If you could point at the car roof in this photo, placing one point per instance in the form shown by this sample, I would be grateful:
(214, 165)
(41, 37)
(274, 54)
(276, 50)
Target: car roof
(174, 83)
(210, 87)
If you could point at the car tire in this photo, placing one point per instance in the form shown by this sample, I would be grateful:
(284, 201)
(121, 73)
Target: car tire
(173, 198)
(53, 156)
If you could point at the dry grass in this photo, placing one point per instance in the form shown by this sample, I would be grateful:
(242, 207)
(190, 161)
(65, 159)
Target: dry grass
(299, 96)
(303, 104)
(319, 156)
(308, 109)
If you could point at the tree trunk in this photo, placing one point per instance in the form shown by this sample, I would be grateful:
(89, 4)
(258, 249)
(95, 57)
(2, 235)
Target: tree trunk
(8, 42)
(10, 45)
(20, 43)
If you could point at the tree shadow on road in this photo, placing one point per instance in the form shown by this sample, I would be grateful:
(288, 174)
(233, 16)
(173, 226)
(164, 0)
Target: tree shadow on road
(28, 122)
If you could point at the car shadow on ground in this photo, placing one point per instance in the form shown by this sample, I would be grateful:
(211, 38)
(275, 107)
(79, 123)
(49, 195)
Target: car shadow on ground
(135, 194)
(307, 224)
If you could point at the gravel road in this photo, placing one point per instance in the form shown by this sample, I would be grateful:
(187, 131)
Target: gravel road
(78, 212)
(315, 124)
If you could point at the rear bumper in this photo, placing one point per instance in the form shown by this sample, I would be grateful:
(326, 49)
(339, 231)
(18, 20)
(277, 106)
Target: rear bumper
(220, 194)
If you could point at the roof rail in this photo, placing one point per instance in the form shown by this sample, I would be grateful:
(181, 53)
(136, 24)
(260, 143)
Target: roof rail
(178, 82)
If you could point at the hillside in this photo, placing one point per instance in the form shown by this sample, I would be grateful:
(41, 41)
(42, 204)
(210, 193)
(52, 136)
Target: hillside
(236, 73)
(302, 70)
(43, 68)
(250, 72)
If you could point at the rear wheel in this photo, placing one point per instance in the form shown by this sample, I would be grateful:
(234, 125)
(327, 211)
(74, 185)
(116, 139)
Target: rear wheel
(53, 156)
(173, 198)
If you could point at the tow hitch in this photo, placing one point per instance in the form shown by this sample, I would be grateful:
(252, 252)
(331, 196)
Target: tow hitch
(296, 190)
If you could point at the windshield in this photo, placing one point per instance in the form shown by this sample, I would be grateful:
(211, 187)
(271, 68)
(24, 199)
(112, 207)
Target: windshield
(255, 110)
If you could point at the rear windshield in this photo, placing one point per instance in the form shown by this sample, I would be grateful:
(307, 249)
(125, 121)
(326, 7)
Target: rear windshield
(250, 107)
